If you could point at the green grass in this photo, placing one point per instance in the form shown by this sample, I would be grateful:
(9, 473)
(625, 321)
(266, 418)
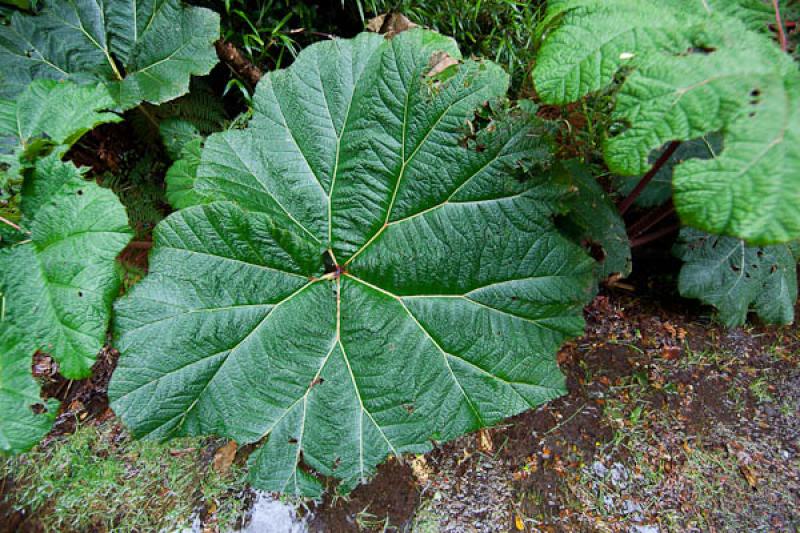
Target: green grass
(98, 479)
(272, 32)
(501, 30)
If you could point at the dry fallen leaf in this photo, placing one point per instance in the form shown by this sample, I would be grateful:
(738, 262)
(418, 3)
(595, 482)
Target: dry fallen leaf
(749, 475)
(485, 443)
(420, 469)
(390, 24)
(670, 353)
(223, 458)
(441, 61)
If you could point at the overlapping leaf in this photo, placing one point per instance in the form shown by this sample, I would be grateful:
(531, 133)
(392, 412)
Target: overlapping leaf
(58, 285)
(48, 115)
(736, 278)
(593, 220)
(24, 417)
(693, 68)
(375, 274)
(181, 177)
(659, 190)
(145, 50)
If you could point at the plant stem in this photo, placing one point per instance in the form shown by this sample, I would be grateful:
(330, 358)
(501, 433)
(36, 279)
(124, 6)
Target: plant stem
(140, 245)
(6, 221)
(148, 116)
(647, 178)
(650, 237)
(651, 219)
(779, 22)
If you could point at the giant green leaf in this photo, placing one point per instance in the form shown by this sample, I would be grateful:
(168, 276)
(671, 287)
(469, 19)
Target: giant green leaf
(58, 285)
(20, 425)
(693, 68)
(737, 278)
(374, 276)
(145, 50)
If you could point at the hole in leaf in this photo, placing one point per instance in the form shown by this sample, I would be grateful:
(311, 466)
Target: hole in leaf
(595, 250)
(292, 440)
(408, 407)
(80, 294)
(336, 463)
(38, 409)
(80, 192)
(481, 120)
(330, 264)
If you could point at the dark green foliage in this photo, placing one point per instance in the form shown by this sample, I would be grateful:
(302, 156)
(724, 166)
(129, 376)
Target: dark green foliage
(594, 222)
(737, 278)
(270, 32)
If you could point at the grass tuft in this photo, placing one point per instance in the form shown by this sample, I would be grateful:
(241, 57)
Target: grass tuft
(99, 479)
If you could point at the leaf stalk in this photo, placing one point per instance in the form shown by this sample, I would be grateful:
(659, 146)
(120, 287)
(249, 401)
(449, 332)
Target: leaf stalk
(648, 177)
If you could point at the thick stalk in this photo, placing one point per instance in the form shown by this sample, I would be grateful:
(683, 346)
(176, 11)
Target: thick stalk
(779, 23)
(651, 219)
(647, 178)
(650, 237)
(6, 221)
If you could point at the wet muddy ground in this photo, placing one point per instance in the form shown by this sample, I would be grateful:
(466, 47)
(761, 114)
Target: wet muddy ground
(672, 423)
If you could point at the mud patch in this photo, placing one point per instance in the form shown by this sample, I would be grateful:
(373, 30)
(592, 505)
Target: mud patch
(387, 503)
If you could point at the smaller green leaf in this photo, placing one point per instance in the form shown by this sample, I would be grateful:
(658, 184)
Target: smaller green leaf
(595, 222)
(20, 426)
(177, 133)
(58, 286)
(683, 69)
(55, 111)
(736, 278)
(47, 116)
(182, 175)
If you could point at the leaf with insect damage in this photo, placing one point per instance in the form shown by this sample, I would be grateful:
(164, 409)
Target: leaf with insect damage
(594, 221)
(58, 285)
(737, 278)
(690, 68)
(372, 277)
(24, 417)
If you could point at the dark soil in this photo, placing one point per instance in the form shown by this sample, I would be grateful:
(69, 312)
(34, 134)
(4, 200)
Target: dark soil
(391, 498)
(654, 387)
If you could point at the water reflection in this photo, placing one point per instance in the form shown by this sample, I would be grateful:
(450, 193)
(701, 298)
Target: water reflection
(270, 515)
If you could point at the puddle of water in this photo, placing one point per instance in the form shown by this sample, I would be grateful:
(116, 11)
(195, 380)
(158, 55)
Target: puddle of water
(270, 515)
